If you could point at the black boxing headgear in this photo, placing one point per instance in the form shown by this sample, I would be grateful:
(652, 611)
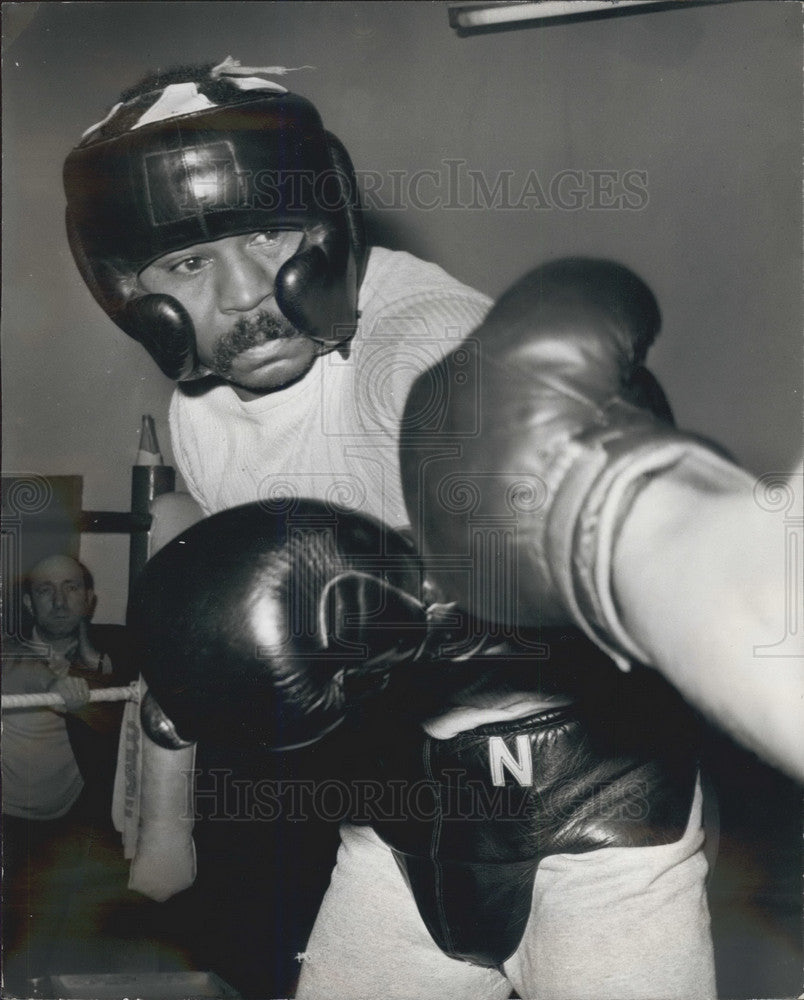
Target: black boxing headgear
(138, 188)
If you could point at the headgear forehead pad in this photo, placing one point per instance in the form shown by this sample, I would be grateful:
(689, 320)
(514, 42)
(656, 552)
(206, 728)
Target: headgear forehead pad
(263, 162)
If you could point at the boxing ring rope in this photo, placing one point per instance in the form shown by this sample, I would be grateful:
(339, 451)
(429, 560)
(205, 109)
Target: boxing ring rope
(49, 699)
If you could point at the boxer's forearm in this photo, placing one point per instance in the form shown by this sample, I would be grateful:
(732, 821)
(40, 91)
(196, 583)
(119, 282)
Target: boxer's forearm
(702, 586)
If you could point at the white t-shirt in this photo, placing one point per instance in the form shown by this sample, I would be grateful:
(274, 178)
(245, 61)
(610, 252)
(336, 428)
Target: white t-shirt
(333, 435)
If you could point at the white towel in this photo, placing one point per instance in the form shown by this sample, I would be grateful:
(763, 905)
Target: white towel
(153, 809)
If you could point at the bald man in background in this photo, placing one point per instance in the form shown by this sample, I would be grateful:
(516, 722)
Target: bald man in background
(42, 780)
(57, 762)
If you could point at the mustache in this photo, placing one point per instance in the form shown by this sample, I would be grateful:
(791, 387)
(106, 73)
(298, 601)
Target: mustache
(249, 332)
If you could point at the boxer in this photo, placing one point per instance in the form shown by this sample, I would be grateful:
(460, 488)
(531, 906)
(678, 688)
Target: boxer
(214, 219)
(291, 384)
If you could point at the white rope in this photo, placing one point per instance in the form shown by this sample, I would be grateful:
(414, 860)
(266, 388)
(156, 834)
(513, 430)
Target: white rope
(49, 699)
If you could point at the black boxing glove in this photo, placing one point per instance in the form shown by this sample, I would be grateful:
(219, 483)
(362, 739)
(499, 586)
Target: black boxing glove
(517, 480)
(317, 288)
(469, 819)
(263, 627)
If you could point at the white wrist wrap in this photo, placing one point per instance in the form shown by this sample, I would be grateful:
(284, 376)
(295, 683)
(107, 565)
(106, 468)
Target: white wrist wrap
(607, 471)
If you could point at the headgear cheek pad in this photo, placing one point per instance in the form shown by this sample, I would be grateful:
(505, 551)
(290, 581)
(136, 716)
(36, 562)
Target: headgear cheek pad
(262, 163)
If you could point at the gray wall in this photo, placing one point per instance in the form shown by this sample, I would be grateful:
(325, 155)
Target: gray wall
(704, 103)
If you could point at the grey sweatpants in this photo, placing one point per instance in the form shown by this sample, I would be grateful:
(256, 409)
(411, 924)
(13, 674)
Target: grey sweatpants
(614, 924)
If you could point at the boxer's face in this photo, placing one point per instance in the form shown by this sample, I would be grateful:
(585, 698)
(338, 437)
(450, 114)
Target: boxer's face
(227, 288)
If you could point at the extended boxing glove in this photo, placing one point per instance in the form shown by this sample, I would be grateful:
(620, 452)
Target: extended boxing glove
(264, 626)
(518, 478)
